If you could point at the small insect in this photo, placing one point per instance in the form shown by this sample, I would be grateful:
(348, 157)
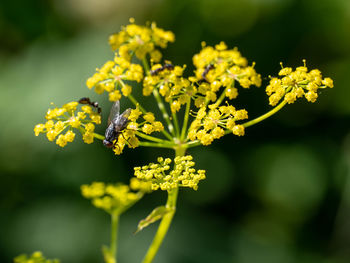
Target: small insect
(167, 66)
(205, 72)
(94, 104)
(116, 124)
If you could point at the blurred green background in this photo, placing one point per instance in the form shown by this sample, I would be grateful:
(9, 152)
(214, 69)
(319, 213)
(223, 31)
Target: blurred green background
(279, 194)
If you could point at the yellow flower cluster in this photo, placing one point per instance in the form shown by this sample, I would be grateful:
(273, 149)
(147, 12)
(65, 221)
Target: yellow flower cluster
(221, 67)
(211, 124)
(296, 84)
(115, 198)
(111, 76)
(141, 40)
(183, 174)
(128, 135)
(59, 119)
(36, 257)
(175, 89)
(132, 39)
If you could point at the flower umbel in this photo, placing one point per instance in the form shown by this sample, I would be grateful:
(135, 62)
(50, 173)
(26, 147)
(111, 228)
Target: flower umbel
(213, 124)
(112, 75)
(159, 174)
(115, 198)
(296, 84)
(66, 119)
(220, 67)
(141, 41)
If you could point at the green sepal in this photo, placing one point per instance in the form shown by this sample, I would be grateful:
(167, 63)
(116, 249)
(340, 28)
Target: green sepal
(154, 216)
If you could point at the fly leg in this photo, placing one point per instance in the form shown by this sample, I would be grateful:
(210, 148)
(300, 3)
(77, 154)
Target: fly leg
(127, 140)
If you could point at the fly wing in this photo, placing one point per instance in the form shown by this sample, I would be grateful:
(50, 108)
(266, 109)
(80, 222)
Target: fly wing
(114, 113)
(126, 113)
(122, 121)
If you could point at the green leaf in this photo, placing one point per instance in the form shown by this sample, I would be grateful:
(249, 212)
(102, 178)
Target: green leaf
(154, 216)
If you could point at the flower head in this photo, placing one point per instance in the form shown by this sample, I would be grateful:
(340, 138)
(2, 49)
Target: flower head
(115, 198)
(111, 77)
(291, 85)
(61, 123)
(161, 176)
(212, 123)
(221, 67)
(140, 40)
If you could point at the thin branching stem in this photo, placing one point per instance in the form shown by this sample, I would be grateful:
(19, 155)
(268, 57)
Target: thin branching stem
(187, 114)
(221, 98)
(99, 136)
(151, 138)
(135, 102)
(157, 144)
(266, 115)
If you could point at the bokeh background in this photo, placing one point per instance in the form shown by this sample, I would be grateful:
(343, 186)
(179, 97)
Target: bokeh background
(279, 194)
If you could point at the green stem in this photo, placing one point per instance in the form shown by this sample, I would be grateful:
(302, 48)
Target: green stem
(96, 135)
(134, 101)
(145, 66)
(150, 138)
(99, 136)
(221, 98)
(167, 218)
(262, 117)
(166, 134)
(193, 143)
(162, 108)
(114, 236)
(157, 145)
(187, 114)
(266, 115)
(180, 150)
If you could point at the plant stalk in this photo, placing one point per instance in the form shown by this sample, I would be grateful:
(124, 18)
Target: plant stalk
(166, 220)
(156, 144)
(134, 101)
(114, 236)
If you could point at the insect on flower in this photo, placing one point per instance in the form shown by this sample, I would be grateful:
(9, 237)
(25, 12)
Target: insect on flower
(116, 124)
(94, 104)
(167, 66)
(205, 72)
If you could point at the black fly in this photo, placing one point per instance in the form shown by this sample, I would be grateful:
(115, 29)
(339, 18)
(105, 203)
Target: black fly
(116, 124)
(94, 104)
(205, 72)
(167, 66)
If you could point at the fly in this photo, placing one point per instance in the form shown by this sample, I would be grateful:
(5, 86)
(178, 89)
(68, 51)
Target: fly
(116, 124)
(205, 72)
(167, 66)
(94, 104)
